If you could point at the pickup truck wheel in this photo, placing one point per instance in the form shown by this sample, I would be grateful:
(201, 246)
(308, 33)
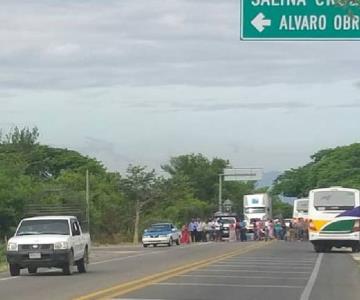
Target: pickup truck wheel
(68, 267)
(32, 270)
(178, 242)
(14, 270)
(145, 245)
(82, 264)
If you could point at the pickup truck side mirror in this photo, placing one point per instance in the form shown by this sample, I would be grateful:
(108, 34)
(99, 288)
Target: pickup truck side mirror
(173, 229)
(145, 230)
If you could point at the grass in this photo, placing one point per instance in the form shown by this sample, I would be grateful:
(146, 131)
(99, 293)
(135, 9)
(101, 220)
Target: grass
(3, 264)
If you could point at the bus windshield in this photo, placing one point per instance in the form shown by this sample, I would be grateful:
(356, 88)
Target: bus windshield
(302, 206)
(255, 210)
(334, 200)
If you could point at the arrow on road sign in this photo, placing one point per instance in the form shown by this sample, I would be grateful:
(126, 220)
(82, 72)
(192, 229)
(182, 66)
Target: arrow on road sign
(259, 22)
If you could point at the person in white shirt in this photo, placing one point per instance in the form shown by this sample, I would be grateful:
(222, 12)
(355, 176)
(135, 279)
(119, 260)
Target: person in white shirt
(218, 230)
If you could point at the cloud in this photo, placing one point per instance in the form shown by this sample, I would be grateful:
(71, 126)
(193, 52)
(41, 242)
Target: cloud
(221, 106)
(106, 151)
(345, 105)
(80, 44)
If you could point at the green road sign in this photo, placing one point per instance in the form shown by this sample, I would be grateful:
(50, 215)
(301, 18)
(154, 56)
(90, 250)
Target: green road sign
(300, 20)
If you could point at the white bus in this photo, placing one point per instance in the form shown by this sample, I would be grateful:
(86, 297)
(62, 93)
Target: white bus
(327, 231)
(301, 208)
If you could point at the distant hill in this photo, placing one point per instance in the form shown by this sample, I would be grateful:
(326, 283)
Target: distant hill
(268, 179)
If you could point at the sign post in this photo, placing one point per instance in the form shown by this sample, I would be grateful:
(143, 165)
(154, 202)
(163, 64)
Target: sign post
(299, 20)
(238, 174)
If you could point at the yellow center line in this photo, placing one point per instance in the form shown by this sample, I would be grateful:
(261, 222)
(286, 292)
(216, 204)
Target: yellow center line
(137, 284)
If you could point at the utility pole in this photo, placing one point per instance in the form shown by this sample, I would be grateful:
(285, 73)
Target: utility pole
(87, 192)
(220, 192)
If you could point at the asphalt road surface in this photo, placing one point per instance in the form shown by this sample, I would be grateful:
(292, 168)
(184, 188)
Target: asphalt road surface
(278, 270)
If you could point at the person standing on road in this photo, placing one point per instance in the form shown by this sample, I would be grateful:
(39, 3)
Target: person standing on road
(198, 229)
(291, 232)
(243, 231)
(185, 239)
(237, 230)
(278, 229)
(192, 229)
(204, 228)
(284, 230)
(266, 230)
(306, 230)
(232, 232)
(218, 232)
(271, 229)
(212, 227)
(200, 232)
(255, 230)
(301, 229)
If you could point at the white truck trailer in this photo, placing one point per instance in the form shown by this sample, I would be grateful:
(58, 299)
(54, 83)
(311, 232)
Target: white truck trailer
(256, 207)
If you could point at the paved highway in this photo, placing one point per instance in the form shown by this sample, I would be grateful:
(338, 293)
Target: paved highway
(280, 271)
(216, 271)
(110, 266)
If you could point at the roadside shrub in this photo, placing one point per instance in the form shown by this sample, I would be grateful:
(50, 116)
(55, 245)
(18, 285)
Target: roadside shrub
(2, 254)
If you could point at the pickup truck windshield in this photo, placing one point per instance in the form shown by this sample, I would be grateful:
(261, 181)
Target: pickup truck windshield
(34, 227)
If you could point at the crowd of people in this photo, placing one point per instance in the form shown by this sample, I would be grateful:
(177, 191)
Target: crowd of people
(234, 229)
(297, 229)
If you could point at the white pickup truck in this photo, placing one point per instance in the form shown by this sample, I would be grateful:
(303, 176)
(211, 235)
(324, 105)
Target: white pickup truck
(48, 242)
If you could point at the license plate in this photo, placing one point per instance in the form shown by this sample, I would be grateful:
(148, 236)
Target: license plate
(34, 255)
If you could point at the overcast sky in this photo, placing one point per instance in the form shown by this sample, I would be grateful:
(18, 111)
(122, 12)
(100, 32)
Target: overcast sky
(139, 81)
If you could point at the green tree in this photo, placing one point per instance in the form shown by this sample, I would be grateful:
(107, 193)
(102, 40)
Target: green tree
(141, 188)
(202, 173)
(330, 167)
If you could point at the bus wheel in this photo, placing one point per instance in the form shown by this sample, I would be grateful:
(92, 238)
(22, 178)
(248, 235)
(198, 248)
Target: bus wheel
(356, 248)
(327, 249)
(318, 248)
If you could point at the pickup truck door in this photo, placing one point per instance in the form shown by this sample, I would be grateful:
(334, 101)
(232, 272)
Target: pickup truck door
(76, 240)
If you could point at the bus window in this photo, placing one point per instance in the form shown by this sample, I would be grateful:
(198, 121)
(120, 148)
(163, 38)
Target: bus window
(334, 200)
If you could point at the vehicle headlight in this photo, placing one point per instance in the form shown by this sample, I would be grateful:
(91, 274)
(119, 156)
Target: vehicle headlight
(12, 247)
(61, 246)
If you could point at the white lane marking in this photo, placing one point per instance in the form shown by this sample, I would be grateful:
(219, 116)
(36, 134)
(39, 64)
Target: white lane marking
(266, 263)
(244, 277)
(251, 265)
(136, 299)
(272, 260)
(228, 285)
(115, 252)
(143, 253)
(122, 258)
(310, 284)
(8, 278)
(252, 271)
